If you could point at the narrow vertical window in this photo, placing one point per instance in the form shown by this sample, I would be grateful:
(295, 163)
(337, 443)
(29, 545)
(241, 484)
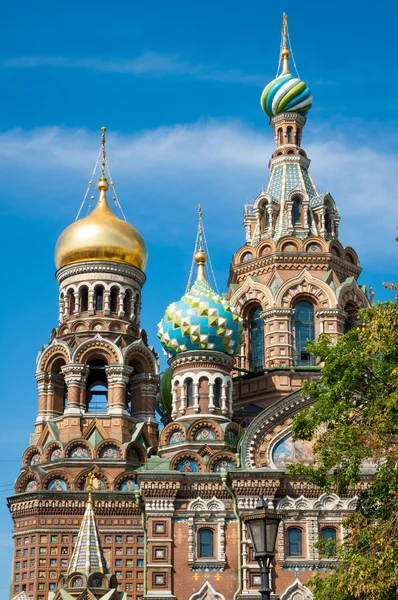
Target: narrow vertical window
(206, 543)
(295, 541)
(99, 298)
(113, 299)
(217, 393)
(304, 329)
(256, 333)
(297, 211)
(189, 385)
(289, 135)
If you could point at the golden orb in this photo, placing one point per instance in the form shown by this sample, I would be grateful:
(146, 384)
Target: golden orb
(101, 236)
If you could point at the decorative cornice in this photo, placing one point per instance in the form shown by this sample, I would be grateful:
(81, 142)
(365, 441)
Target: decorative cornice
(100, 267)
(203, 356)
(303, 161)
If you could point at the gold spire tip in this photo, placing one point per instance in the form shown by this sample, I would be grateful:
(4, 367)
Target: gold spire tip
(200, 255)
(285, 53)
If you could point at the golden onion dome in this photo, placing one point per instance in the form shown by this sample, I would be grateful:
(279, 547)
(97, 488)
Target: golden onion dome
(101, 236)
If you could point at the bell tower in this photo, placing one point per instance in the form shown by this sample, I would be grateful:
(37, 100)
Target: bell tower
(97, 384)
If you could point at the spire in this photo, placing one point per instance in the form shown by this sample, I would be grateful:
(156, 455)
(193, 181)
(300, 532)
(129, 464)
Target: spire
(103, 182)
(285, 53)
(200, 255)
(88, 556)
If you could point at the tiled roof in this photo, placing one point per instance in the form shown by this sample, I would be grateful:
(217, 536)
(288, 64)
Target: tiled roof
(87, 555)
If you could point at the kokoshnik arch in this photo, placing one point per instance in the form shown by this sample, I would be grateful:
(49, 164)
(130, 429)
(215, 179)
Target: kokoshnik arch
(168, 501)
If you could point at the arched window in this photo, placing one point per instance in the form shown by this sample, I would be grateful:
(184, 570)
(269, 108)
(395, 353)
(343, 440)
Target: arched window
(83, 298)
(217, 393)
(297, 211)
(256, 333)
(266, 217)
(189, 390)
(295, 541)
(99, 298)
(329, 534)
(113, 299)
(71, 297)
(206, 543)
(280, 136)
(97, 387)
(304, 329)
(298, 136)
(127, 304)
(289, 135)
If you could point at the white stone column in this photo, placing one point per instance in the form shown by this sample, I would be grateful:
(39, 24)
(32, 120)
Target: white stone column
(312, 537)
(224, 408)
(196, 397)
(174, 407)
(120, 307)
(107, 302)
(211, 397)
(91, 302)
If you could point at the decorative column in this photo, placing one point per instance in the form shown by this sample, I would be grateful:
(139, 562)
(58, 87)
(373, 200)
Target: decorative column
(224, 408)
(278, 337)
(55, 395)
(42, 385)
(143, 387)
(75, 378)
(76, 310)
(120, 304)
(211, 397)
(118, 377)
(91, 302)
(312, 537)
(196, 396)
(107, 302)
(175, 400)
(331, 321)
(61, 305)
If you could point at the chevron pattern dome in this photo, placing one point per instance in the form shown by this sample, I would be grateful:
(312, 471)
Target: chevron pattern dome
(201, 320)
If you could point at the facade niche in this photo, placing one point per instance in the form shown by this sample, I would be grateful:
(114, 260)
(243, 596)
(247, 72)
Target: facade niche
(97, 387)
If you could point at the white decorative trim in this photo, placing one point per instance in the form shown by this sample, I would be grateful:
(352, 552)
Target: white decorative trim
(207, 592)
(296, 591)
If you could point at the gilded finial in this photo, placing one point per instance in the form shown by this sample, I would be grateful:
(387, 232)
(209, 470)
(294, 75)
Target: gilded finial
(92, 484)
(103, 184)
(285, 53)
(200, 255)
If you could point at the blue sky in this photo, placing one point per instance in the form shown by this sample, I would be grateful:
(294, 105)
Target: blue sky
(177, 84)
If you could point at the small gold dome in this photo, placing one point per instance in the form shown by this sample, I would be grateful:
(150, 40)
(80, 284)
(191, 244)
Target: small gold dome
(101, 236)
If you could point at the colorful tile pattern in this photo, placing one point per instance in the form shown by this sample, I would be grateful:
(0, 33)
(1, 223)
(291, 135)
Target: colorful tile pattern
(87, 555)
(201, 320)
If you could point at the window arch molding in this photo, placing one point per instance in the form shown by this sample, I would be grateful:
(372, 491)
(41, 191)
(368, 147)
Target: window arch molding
(206, 515)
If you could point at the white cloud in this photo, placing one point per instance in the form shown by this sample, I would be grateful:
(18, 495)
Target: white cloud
(148, 63)
(162, 174)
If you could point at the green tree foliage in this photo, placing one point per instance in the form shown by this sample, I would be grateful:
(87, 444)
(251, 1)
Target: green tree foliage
(354, 420)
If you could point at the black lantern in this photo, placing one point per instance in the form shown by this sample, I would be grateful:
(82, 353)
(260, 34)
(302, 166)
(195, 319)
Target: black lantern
(263, 528)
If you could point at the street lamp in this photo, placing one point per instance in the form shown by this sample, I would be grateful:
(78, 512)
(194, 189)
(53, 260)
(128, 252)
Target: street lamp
(263, 528)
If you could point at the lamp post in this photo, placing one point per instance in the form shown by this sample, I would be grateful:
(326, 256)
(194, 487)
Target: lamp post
(263, 528)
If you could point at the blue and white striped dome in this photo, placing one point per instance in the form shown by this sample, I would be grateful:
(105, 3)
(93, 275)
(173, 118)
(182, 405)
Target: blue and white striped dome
(286, 94)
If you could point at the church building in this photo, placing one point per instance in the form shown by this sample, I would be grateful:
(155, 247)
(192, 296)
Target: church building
(133, 485)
